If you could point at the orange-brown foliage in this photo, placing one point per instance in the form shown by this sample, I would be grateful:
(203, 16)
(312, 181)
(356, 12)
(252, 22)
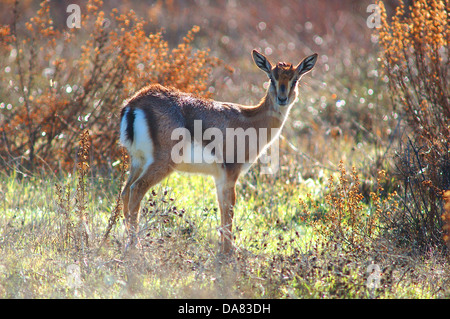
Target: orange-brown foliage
(416, 59)
(64, 80)
(347, 221)
(415, 48)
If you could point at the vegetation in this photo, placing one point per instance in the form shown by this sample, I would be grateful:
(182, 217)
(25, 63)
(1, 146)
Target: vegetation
(415, 51)
(358, 209)
(78, 79)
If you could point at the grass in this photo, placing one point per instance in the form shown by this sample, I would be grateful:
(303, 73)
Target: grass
(279, 254)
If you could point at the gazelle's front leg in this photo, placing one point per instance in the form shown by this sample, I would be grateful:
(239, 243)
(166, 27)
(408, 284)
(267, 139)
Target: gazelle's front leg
(226, 196)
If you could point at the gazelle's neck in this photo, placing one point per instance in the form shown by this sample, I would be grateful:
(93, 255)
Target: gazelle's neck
(275, 113)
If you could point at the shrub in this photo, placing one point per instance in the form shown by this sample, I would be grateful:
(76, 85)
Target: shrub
(74, 224)
(61, 81)
(348, 220)
(414, 48)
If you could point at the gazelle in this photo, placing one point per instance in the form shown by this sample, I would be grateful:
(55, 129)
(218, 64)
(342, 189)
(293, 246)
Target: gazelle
(150, 118)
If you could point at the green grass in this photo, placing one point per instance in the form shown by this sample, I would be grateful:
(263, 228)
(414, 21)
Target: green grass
(278, 255)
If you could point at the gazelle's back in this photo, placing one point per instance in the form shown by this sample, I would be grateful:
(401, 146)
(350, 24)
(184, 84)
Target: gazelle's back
(166, 109)
(170, 108)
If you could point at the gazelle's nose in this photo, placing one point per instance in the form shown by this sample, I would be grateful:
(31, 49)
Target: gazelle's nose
(282, 100)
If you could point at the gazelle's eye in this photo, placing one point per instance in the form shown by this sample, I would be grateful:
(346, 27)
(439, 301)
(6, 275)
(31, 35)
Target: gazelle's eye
(272, 81)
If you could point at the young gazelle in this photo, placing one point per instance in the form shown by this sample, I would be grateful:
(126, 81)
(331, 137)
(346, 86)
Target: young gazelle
(154, 119)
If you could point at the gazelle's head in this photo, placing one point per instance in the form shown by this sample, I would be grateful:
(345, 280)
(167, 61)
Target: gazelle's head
(284, 77)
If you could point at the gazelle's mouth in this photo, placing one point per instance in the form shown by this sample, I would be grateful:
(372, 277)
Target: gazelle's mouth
(282, 101)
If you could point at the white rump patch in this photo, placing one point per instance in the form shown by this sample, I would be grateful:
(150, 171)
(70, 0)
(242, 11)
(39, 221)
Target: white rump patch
(141, 150)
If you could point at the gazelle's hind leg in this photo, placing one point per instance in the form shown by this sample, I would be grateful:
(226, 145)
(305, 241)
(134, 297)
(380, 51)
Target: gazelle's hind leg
(151, 175)
(135, 171)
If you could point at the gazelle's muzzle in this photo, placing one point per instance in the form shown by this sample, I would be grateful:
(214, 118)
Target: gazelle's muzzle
(282, 100)
(282, 94)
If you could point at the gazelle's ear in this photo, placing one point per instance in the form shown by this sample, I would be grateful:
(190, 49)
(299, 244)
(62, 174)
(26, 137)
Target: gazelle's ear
(306, 65)
(262, 62)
